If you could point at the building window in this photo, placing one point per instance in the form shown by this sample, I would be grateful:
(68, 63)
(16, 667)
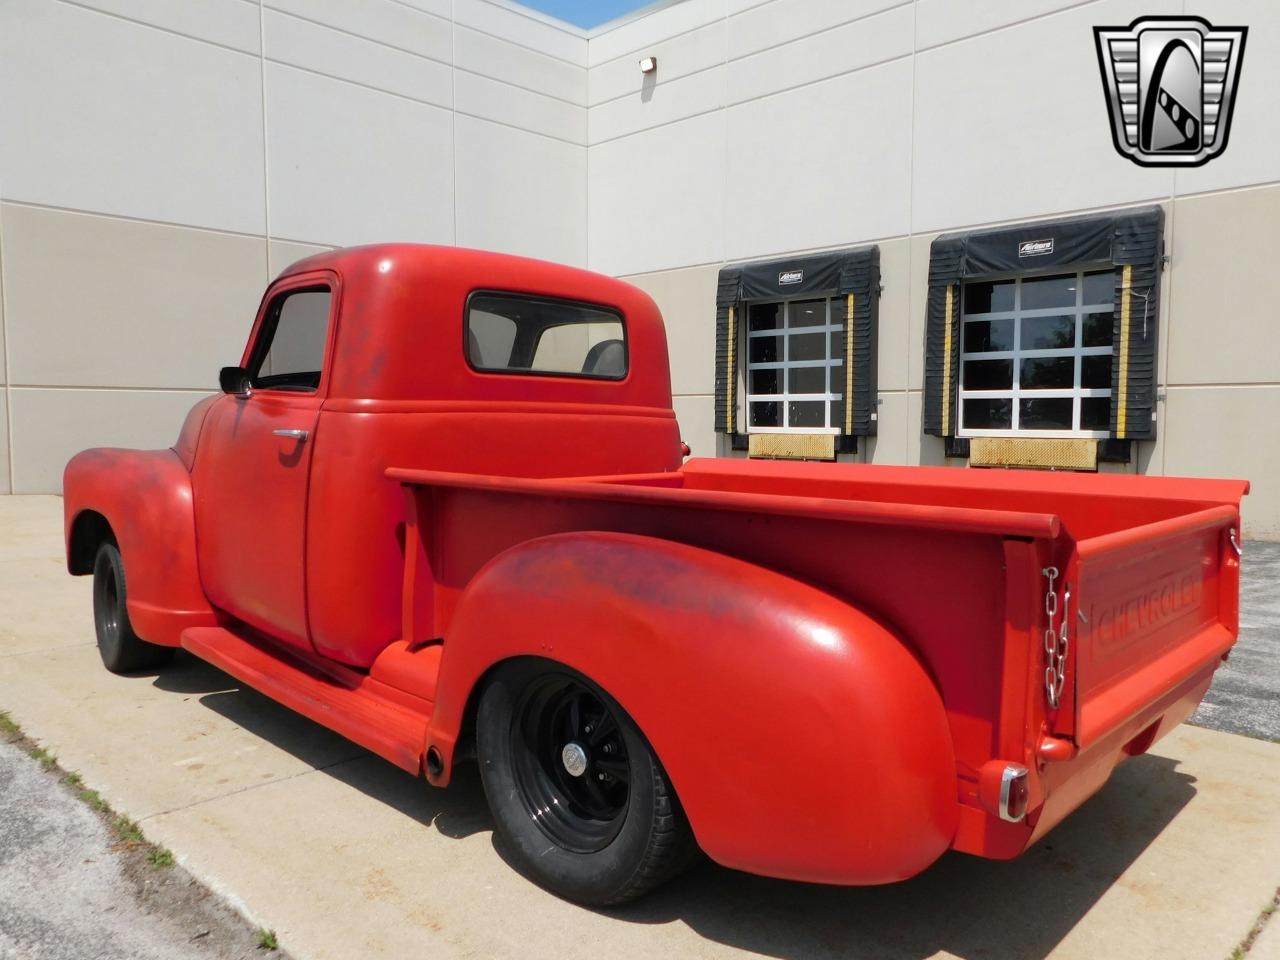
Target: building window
(1035, 355)
(795, 375)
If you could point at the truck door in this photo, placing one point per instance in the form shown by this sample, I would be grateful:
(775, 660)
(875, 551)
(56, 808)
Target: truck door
(254, 461)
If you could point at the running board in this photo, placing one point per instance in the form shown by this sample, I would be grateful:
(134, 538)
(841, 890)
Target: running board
(391, 730)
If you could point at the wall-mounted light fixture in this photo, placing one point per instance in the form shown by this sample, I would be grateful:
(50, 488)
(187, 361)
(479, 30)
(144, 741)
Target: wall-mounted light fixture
(648, 64)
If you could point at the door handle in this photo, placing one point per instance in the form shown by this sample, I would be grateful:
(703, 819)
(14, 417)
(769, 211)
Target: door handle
(299, 435)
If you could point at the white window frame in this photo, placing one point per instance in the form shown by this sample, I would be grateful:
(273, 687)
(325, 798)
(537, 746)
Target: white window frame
(1078, 351)
(786, 331)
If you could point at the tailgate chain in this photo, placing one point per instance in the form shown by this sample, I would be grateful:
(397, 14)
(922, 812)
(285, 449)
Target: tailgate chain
(1055, 643)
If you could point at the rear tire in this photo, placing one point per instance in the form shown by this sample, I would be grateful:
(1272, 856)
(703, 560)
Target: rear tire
(577, 795)
(122, 650)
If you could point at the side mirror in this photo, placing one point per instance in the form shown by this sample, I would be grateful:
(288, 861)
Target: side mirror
(235, 381)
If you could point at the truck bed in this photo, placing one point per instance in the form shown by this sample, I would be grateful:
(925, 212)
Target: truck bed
(951, 560)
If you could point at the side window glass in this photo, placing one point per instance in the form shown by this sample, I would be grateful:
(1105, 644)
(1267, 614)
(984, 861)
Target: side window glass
(290, 352)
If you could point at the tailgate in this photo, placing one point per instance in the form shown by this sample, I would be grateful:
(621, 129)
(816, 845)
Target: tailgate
(1154, 605)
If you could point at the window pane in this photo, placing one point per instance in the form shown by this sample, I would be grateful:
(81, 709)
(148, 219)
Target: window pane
(764, 316)
(1095, 413)
(583, 346)
(765, 381)
(809, 346)
(988, 374)
(550, 336)
(1096, 372)
(988, 414)
(807, 380)
(1048, 333)
(807, 413)
(764, 349)
(837, 414)
(1053, 413)
(296, 353)
(766, 414)
(491, 338)
(988, 296)
(1099, 288)
(1041, 292)
(984, 336)
(1098, 329)
(808, 313)
(1048, 373)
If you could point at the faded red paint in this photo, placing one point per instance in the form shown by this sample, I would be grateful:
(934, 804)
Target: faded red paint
(833, 662)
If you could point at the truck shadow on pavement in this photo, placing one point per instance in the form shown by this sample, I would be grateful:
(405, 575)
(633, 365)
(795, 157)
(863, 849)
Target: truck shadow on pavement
(972, 908)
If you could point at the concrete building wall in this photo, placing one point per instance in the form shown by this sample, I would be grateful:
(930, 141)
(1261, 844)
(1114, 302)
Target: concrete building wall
(161, 161)
(787, 126)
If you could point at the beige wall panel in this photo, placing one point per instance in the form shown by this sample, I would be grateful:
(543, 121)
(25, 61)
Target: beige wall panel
(103, 114)
(696, 416)
(823, 54)
(518, 192)
(481, 53)
(96, 301)
(687, 299)
(1224, 324)
(3, 344)
(285, 253)
(337, 53)
(1253, 150)
(917, 297)
(231, 23)
(942, 21)
(762, 25)
(663, 101)
(895, 302)
(889, 445)
(4, 444)
(1011, 125)
(1229, 432)
(655, 200)
(677, 57)
(810, 184)
(386, 21)
(51, 426)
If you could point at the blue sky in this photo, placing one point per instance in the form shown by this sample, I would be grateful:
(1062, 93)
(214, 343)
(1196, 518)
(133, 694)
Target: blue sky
(586, 13)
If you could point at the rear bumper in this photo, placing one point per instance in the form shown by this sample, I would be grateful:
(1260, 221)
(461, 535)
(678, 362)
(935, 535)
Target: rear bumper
(1069, 783)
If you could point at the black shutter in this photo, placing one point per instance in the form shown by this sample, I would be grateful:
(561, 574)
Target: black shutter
(942, 336)
(860, 289)
(727, 296)
(1137, 253)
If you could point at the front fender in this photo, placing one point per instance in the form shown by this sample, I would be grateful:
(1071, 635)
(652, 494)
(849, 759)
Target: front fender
(803, 738)
(145, 497)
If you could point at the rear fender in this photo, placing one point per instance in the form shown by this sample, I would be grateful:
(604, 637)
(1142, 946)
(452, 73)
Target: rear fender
(803, 738)
(144, 496)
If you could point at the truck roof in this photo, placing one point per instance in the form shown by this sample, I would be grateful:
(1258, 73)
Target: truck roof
(400, 333)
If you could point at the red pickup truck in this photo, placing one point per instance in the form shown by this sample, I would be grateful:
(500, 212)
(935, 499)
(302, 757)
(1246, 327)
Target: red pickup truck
(441, 507)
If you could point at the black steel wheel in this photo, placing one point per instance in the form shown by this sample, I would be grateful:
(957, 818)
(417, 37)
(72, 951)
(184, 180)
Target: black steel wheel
(122, 650)
(580, 801)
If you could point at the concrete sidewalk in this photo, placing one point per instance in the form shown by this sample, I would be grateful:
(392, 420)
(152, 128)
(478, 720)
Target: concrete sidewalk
(346, 856)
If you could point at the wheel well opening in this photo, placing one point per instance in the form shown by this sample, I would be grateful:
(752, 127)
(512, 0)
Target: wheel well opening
(88, 532)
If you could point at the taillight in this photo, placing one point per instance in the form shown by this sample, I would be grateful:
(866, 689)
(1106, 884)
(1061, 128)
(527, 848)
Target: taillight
(1013, 793)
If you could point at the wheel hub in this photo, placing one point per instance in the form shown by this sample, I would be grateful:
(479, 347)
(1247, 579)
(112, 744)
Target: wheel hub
(574, 758)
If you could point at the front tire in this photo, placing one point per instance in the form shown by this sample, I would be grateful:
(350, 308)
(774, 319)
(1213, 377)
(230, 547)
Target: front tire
(577, 795)
(122, 650)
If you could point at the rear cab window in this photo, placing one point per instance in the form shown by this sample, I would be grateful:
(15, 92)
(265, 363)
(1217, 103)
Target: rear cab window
(514, 333)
